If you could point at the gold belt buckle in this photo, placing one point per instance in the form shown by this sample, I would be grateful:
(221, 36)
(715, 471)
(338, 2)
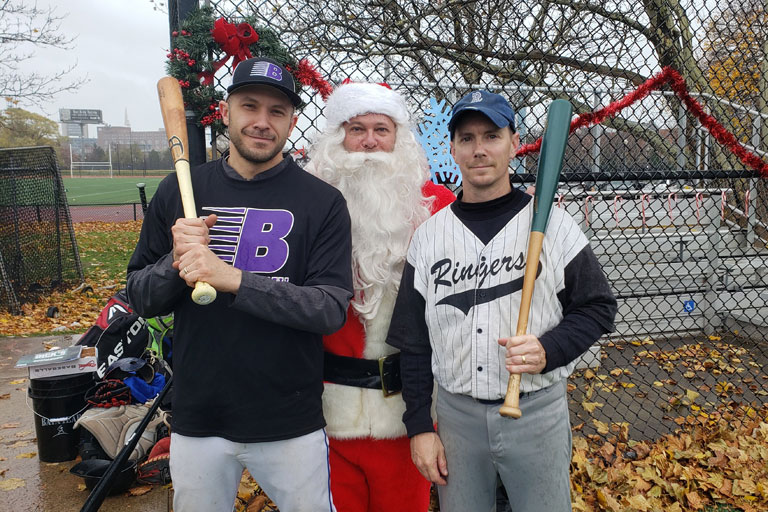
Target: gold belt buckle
(384, 388)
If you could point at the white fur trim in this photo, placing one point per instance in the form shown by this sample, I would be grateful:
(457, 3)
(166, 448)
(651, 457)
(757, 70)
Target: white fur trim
(354, 413)
(355, 99)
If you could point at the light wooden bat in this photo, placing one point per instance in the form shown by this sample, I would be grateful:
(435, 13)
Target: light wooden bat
(172, 107)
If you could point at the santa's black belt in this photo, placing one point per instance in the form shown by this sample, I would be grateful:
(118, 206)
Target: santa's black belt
(382, 373)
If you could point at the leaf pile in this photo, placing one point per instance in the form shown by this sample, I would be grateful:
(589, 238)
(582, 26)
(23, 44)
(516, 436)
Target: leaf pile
(674, 383)
(712, 464)
(105, 248)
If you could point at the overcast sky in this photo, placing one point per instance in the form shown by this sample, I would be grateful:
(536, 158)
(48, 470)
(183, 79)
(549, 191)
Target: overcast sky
(121, 46)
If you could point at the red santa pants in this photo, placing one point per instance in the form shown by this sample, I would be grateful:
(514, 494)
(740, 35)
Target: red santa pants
(376, 475)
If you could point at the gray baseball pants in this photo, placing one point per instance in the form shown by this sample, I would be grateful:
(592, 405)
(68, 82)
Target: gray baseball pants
(531, 455)
(206, 472)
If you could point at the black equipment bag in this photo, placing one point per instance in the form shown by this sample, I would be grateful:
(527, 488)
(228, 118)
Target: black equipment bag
(118, 332)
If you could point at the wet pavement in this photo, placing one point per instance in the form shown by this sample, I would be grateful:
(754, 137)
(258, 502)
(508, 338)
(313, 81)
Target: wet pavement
(26, 483)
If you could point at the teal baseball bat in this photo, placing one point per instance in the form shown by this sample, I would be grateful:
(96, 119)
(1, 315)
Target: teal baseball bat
(550, 165)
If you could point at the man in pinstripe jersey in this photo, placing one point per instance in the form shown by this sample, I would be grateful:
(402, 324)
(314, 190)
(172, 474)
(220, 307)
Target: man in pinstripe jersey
(456, 308)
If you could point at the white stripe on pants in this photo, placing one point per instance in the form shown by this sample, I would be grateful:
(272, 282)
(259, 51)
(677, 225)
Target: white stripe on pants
(294, 473)
(531, 455)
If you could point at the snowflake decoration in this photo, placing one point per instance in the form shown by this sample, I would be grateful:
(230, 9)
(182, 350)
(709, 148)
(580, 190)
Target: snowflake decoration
(434, 138)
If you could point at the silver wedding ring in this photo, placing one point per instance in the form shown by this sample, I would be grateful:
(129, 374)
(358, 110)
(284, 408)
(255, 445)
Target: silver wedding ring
(186, 271)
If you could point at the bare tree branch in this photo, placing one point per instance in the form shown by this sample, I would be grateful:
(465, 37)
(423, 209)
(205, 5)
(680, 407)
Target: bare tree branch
(24, 28)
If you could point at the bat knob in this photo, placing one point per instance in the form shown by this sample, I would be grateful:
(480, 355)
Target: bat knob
(203, 294)
(509, 411)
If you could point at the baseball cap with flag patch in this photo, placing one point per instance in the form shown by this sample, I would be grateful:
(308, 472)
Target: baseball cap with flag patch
(263, 71)
(492, 105)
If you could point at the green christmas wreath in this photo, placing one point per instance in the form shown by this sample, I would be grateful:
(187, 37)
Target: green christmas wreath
(202, 37)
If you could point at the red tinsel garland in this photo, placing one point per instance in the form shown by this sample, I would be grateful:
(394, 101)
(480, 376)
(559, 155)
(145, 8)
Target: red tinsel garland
(309, 76)
(677, 83)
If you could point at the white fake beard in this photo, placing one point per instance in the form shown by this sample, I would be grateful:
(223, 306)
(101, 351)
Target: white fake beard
(385, 202)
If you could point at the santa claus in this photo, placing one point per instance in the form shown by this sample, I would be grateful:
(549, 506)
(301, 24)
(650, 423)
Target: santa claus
(369, 152)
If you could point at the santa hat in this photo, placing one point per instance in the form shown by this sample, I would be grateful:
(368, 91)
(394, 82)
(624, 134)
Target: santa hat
(354, 99)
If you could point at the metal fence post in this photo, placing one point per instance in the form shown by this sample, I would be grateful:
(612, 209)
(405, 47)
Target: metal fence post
(682, 123)
(712, 302)
(177, 12)
(757, 124)
(751, 212)
(597, 134)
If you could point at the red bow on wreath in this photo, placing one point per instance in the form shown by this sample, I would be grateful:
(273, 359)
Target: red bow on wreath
(235, 41)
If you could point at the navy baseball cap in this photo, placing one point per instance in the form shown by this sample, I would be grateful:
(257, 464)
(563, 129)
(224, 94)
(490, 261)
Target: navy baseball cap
(492, 105)
(263, 71)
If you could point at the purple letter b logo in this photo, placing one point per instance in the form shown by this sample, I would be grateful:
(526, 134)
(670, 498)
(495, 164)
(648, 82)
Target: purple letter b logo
(262, 247)
(274, 72)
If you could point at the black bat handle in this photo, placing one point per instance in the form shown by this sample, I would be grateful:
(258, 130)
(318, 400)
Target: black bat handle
(142, 197)
(96, 498)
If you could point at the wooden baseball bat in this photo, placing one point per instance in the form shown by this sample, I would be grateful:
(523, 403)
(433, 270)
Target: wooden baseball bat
(175, 121)
(548, 174)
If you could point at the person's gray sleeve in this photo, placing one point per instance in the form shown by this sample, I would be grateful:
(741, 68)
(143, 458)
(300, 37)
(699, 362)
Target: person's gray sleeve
(153, 285)
(154, 289)
(320, 308)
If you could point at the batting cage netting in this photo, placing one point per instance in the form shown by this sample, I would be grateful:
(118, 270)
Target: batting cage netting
(665, 168)
(38, 252)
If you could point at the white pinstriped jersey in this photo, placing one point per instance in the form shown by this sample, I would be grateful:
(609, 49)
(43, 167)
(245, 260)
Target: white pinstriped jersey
(472, 293)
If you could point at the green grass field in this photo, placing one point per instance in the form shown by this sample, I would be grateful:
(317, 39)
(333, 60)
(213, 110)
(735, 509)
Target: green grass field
(108, 190)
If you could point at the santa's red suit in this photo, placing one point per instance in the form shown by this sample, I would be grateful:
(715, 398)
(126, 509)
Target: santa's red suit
(371, 467)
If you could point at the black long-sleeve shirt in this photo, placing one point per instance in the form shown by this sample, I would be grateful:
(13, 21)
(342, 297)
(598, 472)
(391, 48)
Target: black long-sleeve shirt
(248, 367)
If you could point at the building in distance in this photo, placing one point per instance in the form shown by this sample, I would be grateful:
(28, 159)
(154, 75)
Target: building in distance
(123, 135)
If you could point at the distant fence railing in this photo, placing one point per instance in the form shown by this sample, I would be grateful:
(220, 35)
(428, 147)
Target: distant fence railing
(114, 173)
(106, 212)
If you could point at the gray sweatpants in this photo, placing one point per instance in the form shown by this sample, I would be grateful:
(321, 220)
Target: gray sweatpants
(531, 455)
(206, 472)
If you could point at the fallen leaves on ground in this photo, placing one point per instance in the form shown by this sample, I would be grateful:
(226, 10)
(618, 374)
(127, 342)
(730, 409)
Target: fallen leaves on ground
(721, 463)
(139, 490)
(11, 484)
(104, 248)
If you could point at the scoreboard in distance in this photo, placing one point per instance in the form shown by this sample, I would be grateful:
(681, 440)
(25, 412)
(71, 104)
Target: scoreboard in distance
(80, 115)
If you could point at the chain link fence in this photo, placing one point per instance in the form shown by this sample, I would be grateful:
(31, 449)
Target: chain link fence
(677, 219)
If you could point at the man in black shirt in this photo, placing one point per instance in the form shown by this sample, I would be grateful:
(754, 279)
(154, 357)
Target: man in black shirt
(248, 368)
